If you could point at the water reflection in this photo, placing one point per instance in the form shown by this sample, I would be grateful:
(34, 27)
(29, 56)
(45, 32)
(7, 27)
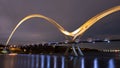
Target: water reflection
(95, 63)
(63, 62)
(55, 61)
(48, 61)
(111, 63)
(32, 61)
(42, 61)
(37, 60)
(82, 63)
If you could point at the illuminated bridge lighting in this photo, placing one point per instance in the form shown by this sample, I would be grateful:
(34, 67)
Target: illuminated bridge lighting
(74, 34)
(106, 50)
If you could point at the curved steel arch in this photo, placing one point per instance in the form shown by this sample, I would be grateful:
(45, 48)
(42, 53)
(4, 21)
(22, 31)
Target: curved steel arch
(43, 17)
(94, 20)
(75, 33)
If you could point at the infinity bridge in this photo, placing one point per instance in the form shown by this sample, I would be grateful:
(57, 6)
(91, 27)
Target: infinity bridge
(75, 33)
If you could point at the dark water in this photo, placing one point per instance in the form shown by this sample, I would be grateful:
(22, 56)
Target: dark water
(90, 60)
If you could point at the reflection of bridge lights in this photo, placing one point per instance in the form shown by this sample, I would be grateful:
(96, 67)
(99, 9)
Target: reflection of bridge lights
(48, 61)
(63, 62)
(82, 63)
(96, 63)
(55, 61)
(111, 63)
(13, 54)
(42, 61)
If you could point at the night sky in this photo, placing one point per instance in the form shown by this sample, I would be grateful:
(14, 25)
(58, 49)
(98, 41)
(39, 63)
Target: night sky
(68, 13)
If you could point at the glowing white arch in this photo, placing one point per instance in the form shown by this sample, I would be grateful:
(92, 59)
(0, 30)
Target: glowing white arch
(75, 33)
(43, 17)
(94, 20)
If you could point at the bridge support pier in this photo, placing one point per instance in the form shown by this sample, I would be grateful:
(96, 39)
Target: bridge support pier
(75, 50)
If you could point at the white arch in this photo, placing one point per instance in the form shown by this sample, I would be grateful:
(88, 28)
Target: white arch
(39, 16)
(94, 20)
(75, 33)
